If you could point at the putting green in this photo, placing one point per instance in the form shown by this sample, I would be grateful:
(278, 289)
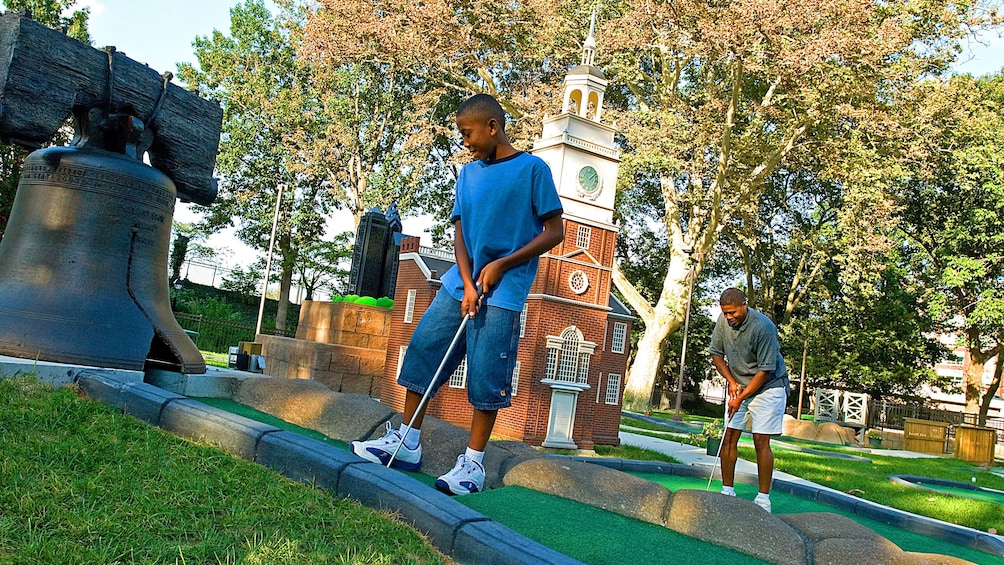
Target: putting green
(596, 536)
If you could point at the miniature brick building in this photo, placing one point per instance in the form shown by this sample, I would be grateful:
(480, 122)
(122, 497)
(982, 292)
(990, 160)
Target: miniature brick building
(573, 353)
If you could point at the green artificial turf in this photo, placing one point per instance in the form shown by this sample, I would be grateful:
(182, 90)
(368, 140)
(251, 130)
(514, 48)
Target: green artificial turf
(593, 535)
(596, 536)
(782, 503)
(996, 497)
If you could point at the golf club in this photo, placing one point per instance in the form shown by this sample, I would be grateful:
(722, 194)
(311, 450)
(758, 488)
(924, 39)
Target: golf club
(718, 455)
(435, 378)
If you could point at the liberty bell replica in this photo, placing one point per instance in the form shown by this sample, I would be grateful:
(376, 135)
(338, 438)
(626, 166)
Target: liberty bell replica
(83, 260)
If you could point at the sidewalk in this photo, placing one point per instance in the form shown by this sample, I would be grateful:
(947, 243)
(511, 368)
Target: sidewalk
(694, 455)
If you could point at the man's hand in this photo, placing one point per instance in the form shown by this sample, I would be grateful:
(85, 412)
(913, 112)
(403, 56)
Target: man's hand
(734, 404)
(734, 401)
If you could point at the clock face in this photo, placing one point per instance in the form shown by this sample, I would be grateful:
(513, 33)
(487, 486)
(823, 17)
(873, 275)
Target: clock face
(590, 182)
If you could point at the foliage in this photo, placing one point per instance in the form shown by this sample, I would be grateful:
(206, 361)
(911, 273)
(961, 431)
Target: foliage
(271, 125)
(123, 491)
(245, 282)
(952, 215)
(438, 54)
(322, 265)
(713, 428)
(876, 339)
(48, 13)
(714, 101)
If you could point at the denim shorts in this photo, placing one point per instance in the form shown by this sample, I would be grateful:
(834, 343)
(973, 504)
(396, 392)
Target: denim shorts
(490, 342)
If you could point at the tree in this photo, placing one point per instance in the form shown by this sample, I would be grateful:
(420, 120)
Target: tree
(437, 54)
(714, 100)
(952, 215)
(322, 265)
(876, 339)
(48, 13)
(270, 130)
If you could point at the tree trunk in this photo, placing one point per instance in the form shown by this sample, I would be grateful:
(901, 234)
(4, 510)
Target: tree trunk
(978, 359)
(285, 282)
(665, 318)
(973, 382)
(991, 391)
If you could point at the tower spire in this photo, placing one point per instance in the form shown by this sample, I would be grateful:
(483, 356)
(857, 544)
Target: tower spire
(589, 46)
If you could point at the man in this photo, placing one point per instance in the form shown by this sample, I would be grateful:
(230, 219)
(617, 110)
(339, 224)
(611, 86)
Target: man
(745, 350)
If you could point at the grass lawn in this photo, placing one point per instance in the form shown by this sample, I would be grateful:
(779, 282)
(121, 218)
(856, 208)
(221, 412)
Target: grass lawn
(83, 483)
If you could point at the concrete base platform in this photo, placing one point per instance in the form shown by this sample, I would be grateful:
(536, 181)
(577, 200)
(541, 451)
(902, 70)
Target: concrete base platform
(58, 374)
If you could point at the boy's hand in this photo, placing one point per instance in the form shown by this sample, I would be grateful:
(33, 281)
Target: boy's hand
(472, 301)
(491, 274)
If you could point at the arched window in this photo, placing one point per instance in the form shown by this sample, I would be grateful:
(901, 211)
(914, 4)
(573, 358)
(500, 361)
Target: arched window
(568, 357)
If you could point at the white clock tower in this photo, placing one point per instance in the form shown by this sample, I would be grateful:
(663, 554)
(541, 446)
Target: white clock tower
(578, 331)
(579, 148)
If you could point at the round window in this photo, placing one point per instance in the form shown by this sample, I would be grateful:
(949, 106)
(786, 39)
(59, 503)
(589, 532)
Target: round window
(578, 282)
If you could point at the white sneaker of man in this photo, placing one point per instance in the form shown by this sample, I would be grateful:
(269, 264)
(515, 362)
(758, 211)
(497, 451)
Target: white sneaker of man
(381, 449)
(763, 501)
(466, 477)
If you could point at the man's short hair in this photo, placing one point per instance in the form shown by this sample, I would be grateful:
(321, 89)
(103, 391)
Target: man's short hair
(483, 106)
(732, 297)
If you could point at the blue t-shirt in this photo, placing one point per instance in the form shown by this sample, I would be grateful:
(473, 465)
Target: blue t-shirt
(502, 206)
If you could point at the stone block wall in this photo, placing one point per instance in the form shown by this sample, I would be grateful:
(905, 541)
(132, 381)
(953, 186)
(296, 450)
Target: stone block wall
(339, 344)
(344, 323)
(341, 368)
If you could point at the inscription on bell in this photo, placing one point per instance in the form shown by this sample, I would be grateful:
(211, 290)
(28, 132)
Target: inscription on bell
(99, 180)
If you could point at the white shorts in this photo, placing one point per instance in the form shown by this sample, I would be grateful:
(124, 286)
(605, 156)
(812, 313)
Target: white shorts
(766, 410)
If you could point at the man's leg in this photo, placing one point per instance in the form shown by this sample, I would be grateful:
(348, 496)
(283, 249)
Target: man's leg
(764, 461)
(729, 455)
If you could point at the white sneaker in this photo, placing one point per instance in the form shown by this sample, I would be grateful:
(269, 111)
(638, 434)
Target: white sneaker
(467, 476)
(728, 492)
(762, 502)
(381, 449)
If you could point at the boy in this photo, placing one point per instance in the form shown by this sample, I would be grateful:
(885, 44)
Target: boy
(506, 214)
(745, 350)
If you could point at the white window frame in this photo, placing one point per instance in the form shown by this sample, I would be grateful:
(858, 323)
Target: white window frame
(409, 306)
(613, 388)
(400, 358)
(515, 379)
(459, 377)
(618, 343)
(583, 236)
(522, 321)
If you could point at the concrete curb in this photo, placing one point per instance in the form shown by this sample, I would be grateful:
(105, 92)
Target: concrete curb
(456, 530)
(959, 535)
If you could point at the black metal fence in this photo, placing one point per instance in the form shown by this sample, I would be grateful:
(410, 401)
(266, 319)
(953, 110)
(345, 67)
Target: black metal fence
(891, 416)
(217, 335)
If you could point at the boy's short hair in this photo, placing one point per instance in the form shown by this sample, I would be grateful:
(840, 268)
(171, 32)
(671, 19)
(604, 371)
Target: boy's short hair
(732, 297)
(483, 106)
